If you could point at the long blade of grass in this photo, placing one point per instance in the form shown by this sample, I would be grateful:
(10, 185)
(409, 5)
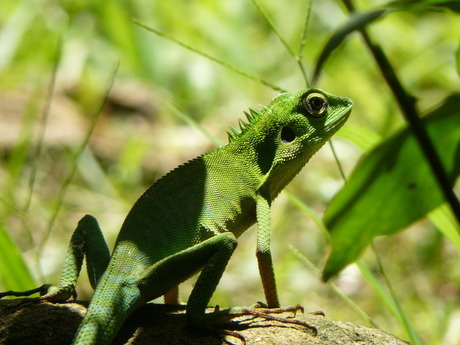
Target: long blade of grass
(189, 120)
(43, 125)
(302, 258)
(389, 297)
(272, 26)
(303, 41)
(337, 161)
(78, 154)
(34, 148)
(209, 57)
(307, 210)
(13, 208)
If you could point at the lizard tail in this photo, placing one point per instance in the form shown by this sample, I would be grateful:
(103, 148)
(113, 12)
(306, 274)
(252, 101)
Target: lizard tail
(110, 306)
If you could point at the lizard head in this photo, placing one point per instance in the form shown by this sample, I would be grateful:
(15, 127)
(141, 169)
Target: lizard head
(291, 129)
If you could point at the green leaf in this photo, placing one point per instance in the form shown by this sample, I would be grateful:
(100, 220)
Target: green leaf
(392, 187)
(14, 273)
(356, 22)
(444, 220)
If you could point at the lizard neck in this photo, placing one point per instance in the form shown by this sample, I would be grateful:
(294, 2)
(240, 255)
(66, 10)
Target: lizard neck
(258, 153)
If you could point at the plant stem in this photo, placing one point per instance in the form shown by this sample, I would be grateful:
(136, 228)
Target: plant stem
(209, 57)
(407, 105)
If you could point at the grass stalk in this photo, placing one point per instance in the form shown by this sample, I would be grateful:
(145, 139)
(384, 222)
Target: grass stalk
(407, 104)
(60, 197)
(209, 57)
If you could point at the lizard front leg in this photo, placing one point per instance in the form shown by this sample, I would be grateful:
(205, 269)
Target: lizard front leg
(267, 274)
(263, 253)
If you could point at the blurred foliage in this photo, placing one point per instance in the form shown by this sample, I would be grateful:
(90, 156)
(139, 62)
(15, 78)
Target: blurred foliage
(57, 60)
(395, 170)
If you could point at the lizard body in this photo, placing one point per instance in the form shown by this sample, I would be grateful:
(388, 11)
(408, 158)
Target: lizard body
(190, 219)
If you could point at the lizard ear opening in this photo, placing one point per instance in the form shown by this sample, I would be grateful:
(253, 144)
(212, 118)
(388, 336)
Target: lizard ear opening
(287, 135)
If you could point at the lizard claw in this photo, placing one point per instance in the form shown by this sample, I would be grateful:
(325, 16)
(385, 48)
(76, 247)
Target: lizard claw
(259, 310)
(58, 294)
(266, 313)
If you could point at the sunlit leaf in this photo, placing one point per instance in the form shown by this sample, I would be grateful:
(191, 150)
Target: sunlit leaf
(391, 187)
(444, 220)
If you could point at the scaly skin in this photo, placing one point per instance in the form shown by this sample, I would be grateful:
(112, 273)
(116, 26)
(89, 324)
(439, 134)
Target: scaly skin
(190, 219)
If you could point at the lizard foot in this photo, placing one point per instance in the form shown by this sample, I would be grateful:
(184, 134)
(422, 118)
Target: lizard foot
(266, 313)
(41, 289)
(47, 292)
(258, 310)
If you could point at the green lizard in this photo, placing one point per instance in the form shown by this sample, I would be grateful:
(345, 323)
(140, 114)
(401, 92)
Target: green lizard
(190, 219)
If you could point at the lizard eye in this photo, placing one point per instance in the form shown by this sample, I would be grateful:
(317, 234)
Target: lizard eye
(287, 135)
(316, 104)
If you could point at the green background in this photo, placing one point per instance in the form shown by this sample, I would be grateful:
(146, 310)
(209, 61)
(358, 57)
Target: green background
(57, 60)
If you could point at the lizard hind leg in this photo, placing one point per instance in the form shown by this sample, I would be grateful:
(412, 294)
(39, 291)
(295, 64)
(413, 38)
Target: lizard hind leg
(87, 239)
(210, 255)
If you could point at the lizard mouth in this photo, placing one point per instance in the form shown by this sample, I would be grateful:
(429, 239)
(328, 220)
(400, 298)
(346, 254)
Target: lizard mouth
(331, 127)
